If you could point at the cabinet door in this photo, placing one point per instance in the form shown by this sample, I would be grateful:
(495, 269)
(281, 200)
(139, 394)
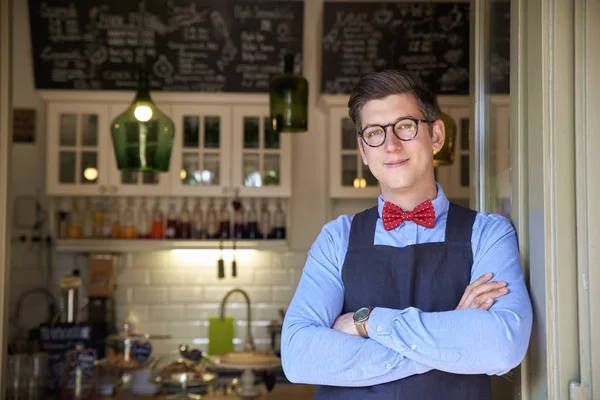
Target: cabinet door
(350, 178)
(455, 178)
(200, 164)
(130, 183)
(261, 159)
(76, 163)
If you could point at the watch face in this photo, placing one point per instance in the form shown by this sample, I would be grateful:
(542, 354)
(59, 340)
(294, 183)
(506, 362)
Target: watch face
(361, 314)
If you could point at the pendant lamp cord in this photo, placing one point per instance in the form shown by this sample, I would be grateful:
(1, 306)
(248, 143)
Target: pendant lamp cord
(141, 29)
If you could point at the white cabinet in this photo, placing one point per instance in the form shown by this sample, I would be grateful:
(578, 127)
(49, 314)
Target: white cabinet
(222, 148)
(77, 148)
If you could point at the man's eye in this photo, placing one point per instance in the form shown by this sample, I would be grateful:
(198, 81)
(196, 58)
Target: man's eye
(374, 132)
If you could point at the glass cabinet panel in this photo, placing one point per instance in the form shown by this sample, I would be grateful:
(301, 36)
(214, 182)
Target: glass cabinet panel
(200, 166)
(200, 152)
(78, 148)
(261, 158)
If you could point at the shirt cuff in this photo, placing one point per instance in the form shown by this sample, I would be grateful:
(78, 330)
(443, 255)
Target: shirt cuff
(387, 327)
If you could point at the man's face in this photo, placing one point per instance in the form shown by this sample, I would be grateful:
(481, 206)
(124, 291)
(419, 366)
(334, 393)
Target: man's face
(400, 165)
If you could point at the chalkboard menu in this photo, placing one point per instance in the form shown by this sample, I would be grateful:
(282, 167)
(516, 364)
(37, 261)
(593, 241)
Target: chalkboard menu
(429, 39)
(187, 45)
(56, 340)
(499, 73)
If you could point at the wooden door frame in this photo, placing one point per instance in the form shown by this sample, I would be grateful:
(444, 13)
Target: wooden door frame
(5, 143)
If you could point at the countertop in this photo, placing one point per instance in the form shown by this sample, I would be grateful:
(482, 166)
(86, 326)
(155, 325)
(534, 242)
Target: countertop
(280, 392)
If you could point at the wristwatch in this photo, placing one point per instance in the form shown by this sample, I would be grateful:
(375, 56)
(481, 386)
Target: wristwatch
(361, 316)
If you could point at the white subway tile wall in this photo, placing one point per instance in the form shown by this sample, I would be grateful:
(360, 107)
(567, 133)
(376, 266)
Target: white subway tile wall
(176, 292)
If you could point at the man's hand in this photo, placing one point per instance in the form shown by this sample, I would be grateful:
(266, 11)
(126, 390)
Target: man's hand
(345, 323)
(481, 293)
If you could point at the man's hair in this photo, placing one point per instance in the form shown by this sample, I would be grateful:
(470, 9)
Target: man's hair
(378, 85)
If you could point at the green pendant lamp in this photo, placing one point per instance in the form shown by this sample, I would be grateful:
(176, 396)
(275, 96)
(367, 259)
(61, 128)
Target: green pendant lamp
(445, 155)
(143, 135)
(288, 100)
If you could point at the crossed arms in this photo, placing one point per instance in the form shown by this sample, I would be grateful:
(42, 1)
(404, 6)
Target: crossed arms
(474, 339)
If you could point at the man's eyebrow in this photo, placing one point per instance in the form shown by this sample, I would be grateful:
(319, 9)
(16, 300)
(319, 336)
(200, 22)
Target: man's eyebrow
(396, 120)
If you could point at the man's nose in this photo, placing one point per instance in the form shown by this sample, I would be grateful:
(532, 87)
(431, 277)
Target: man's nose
(391, 141)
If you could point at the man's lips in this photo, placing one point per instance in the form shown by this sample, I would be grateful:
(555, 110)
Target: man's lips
(397, 163)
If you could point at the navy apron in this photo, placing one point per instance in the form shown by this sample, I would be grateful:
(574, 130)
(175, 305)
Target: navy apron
(429, 276)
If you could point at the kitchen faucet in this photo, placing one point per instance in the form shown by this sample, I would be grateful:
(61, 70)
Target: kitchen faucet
(248, 341)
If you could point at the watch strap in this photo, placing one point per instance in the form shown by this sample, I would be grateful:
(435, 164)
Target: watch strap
(362, 329)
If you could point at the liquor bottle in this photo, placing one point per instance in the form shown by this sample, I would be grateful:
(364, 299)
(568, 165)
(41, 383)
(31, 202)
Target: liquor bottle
(252, 218)
(100, 217)
(74, 230)
(212, 229)
(185, 231)
(279, 222)
(197, 221)
(238, 219)
(265, 220)
(113, 227)
(158, 221)
(88, 220)
(143, 221)
(128, 228)
(225, 221)
(172, 222)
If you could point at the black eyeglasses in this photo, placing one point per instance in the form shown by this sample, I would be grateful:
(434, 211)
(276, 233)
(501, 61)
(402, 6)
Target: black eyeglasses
(405, 129)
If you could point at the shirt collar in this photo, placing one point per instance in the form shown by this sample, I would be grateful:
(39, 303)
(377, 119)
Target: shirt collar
(440, 203)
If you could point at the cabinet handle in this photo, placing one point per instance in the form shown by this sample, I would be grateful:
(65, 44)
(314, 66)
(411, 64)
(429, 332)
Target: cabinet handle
(114, 189)
(103, 189)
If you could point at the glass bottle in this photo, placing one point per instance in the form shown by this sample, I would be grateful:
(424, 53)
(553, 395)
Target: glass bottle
(212, 229)
(112, 227)
(265, 220)
(158, 221)
(142, 135)
(128, 228)
(197, 221)
(288, 100)
(89, 220)
(185, 231)
(143, 221)
(225, 221)
(238, 219)
(172, 222)
(279, 222)
(252, 218)
(74, 230)
(101, 216)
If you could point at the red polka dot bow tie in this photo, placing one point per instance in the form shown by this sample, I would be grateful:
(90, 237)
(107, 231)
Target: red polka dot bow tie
(393, 216)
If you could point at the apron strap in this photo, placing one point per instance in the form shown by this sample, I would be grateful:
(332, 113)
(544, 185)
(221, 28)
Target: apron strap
(459, 225)
(362, 230)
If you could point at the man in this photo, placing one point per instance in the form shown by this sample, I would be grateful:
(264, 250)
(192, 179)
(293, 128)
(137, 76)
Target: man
(416, 298)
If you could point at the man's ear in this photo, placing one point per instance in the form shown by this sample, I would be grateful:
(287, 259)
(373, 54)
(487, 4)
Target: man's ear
(362, 150)
(438, 135)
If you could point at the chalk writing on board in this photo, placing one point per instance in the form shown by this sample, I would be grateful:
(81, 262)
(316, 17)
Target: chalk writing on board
(429, 39)
(186, 45)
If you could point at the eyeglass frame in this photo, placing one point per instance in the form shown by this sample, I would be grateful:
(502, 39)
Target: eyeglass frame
(384, 127)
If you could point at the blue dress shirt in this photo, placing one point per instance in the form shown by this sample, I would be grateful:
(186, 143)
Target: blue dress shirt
(405, 342)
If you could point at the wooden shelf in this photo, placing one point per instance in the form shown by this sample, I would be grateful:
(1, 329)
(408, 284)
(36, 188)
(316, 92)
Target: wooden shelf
(137, 245)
